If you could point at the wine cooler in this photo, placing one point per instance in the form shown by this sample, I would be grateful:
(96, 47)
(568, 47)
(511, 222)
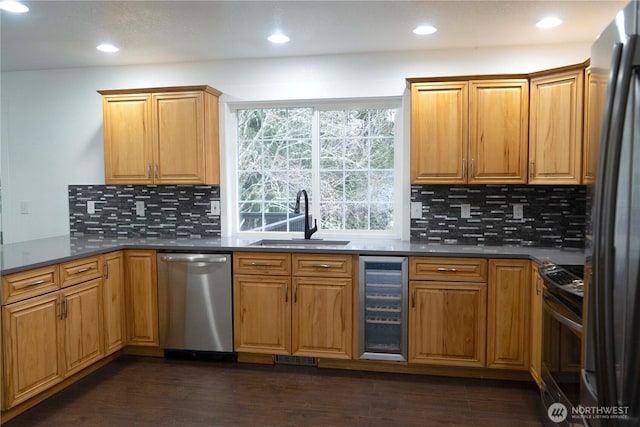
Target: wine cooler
(383, 308)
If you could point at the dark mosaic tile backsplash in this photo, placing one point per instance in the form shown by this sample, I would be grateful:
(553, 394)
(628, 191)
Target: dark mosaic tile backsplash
(171, 211)
(554, 216)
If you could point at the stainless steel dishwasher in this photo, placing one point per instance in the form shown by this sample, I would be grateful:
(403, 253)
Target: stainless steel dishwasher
(195, 302)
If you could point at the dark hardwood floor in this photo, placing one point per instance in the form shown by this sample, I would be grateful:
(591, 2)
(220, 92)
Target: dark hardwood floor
(140, 391)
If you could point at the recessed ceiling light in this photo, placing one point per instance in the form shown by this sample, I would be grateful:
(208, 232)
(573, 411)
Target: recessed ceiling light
(549, 22)
(278, 38)
(13, 6)
(423, 30)
(106, 47)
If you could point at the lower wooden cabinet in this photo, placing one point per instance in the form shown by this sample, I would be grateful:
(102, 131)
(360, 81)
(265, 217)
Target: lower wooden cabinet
(447, 323)
(535, 367)
(307, 314)
(262, 314)
(141, 296)
(51, 337)
(83, 335)
(115, 333)
(447, 311)
(508, 313)
(322, 317)
(33, 354)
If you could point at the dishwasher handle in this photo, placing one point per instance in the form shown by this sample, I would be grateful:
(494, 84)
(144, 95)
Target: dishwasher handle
(195, 258)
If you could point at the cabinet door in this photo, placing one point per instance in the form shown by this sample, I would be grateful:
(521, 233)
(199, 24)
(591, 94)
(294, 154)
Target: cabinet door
(439, 132)
(447, 323)
(508, 314)
(555, 143)
(82, 326)
(128, 156)
(322, 317)
(262, 314)
(141, 297)
(594, 102)
(114, 307)
(32, 360)
(178, 138)
(498, 131)
(536, 324)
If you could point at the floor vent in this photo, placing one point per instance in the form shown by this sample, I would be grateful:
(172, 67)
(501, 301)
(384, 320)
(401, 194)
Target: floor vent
(295, 360)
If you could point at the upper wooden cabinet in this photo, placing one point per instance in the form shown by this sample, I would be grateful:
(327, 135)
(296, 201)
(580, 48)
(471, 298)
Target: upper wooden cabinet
(439, 132)
(498, 131)
(469, 132)
(595, 93)
(555, 140)
(161, 135)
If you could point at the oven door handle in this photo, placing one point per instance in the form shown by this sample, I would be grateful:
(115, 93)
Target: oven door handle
(548, 302)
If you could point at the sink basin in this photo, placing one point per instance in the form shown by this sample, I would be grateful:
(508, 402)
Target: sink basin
(300, 242)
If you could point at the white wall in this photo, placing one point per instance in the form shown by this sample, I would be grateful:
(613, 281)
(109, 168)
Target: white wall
(52, 119)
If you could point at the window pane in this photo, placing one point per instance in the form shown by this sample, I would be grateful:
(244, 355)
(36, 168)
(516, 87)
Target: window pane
(356, 160)
(356, 169)
(274, 160)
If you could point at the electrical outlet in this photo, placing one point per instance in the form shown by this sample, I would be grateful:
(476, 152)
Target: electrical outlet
(24, 208)
(140, 208)
(518, 211)
(215, 207)
(416, 210)
(91, 207)
(465, 210)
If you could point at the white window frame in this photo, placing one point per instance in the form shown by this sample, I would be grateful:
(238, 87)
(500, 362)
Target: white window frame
(229, 173)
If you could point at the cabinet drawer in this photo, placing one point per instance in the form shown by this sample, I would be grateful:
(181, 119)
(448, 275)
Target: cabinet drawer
(278, 264)
(81, 270)
(448, 269)
(323, 265)
(27, 284)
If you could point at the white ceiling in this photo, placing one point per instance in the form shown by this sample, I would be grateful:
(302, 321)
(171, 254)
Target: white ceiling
(63, 34)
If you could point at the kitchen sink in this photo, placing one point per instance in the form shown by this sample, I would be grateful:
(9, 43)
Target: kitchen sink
(300, 243)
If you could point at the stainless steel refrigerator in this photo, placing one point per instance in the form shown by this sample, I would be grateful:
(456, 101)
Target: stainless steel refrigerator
(610, 380)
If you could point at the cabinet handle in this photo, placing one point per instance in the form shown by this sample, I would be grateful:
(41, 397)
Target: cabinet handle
(106, 270)
(295, 293)
(261, 264)
(36, 283)
(64, 308)
(531, 169)
(286, 293)
(447, 270)
(321, 266)
(83, 270)
(413, 297)
(155, 170)
(148, 170)
(60, 309)
(473, 168)
(464, 168)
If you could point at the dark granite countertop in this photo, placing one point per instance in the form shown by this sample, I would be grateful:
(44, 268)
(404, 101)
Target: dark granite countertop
(37, 253)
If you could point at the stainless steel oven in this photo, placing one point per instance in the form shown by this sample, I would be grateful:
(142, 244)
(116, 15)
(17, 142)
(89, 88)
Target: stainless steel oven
(561, 343)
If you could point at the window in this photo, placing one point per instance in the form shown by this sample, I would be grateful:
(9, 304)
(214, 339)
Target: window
(342, 156)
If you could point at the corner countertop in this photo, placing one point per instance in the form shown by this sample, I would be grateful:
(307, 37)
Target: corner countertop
(23, 256)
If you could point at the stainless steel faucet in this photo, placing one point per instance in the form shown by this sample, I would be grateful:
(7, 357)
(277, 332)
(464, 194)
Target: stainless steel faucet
(307, 231)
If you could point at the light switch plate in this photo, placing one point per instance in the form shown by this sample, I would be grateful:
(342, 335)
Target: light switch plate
(465, 210)
(518, 211)
(140, 208)
(215, 207)
(24, 208)
(91, 207)
(416, 210)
